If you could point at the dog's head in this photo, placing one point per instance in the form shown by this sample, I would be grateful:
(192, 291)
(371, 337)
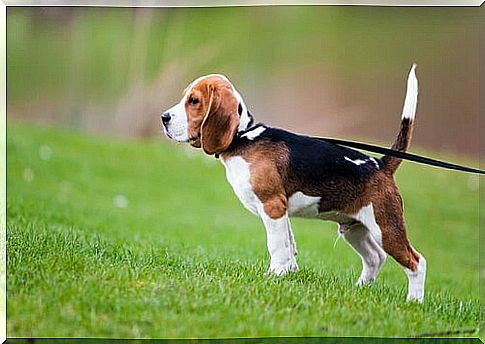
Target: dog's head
(209, 115)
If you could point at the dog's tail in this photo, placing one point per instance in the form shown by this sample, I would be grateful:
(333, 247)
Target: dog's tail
(407, 123)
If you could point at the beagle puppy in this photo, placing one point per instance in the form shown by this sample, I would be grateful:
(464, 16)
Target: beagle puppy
(277, 174)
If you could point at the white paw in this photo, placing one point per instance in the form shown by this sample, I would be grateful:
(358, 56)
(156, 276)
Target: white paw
(415, 296)
(362, 281)
(283, 269)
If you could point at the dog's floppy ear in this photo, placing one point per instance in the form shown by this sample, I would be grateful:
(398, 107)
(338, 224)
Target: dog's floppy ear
(221, 122)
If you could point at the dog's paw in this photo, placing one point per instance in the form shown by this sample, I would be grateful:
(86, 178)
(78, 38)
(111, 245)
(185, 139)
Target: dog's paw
(415, 296)
(283, 269)
(363, 281)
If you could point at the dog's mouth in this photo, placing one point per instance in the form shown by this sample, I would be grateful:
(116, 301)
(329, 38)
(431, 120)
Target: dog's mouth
(171, 135)
(164, 130)
(194, 141)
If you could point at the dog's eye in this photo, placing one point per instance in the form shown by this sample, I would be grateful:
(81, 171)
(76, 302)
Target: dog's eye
(193, 101)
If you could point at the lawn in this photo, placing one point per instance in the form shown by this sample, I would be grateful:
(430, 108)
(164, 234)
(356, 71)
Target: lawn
(145, 238)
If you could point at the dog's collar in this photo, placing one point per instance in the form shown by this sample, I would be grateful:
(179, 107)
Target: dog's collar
(240, 133)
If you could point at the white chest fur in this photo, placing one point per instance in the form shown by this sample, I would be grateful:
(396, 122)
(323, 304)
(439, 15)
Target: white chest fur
(238, 175)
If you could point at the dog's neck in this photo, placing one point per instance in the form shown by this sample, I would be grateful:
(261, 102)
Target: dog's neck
(246, 120)
(246, 124)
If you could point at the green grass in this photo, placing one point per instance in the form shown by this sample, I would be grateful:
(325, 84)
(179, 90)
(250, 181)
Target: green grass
(185, 259)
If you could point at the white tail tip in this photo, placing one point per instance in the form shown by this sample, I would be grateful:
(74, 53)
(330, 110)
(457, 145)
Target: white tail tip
(411, 100)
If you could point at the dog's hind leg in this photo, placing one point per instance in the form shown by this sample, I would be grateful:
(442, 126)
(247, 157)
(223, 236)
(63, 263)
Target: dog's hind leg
(372, 255)
(416, 279)
(389, 221)
(397, 245)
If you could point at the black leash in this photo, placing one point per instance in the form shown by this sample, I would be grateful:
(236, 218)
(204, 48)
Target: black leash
(402, 155)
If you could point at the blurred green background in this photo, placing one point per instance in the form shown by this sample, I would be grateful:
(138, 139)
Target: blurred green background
(322, 70)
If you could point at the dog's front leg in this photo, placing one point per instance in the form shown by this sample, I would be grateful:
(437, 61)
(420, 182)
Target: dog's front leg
(281, 245)
(294, 250)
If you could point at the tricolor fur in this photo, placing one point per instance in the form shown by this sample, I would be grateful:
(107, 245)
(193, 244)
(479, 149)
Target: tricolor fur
(277, 174)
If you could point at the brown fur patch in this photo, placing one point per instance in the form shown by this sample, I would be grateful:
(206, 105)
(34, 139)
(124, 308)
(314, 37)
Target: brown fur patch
(268, 168)
(276, 207)
(388, 211)
(213, 119)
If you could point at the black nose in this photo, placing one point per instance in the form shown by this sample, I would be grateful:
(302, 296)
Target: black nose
(166, 117)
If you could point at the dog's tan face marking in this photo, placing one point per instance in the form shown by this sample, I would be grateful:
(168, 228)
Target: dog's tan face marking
(196, 107)
(207, 115)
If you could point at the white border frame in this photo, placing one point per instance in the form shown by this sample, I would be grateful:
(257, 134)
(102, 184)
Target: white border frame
(232, 3)
(3, 172)
(133, 3)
